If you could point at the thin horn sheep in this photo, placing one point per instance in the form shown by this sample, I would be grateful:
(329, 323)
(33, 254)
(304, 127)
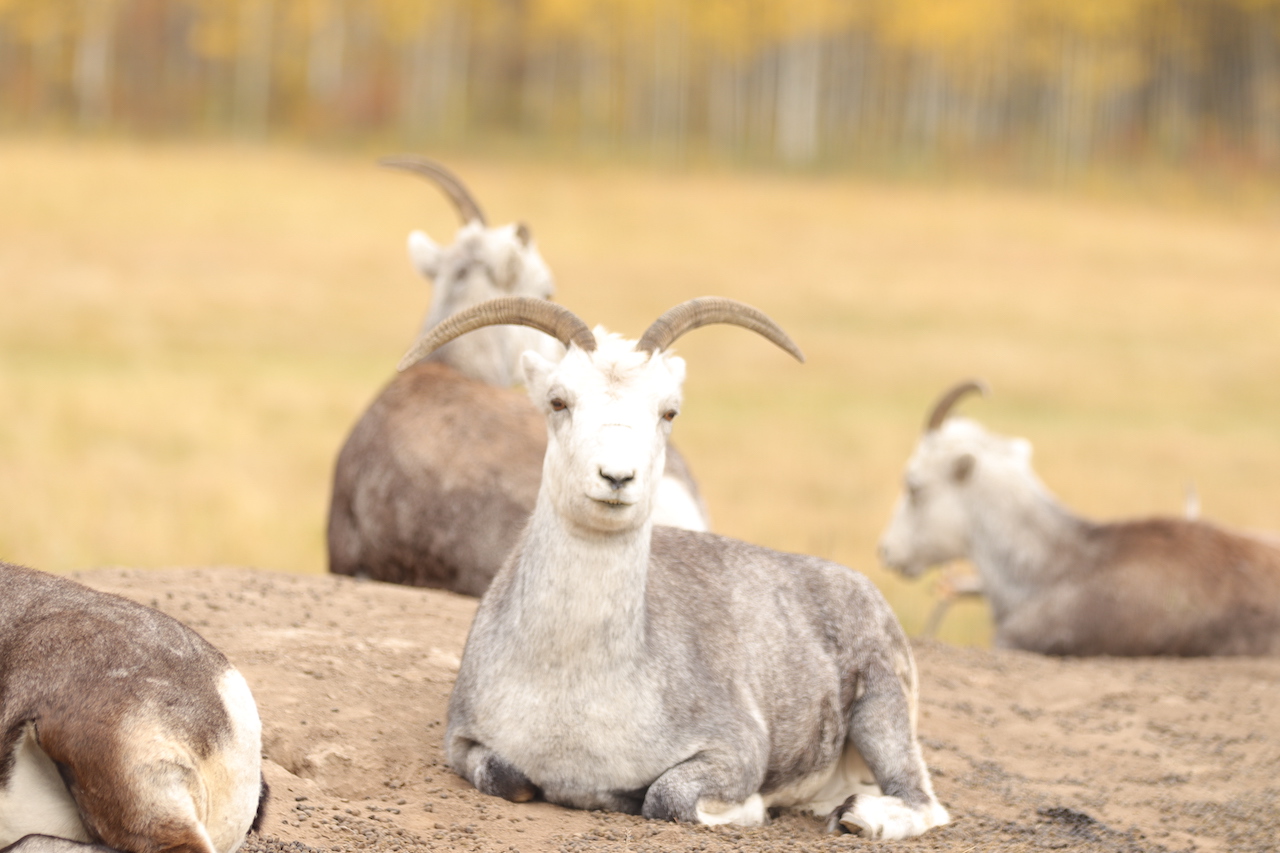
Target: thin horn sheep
(1061, 584)
(120, 728)
(615, 664)
(439, 474)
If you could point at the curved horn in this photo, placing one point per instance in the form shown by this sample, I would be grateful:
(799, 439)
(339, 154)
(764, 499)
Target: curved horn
(541, 314)
(706, 310)
(948, 401)
(446, 180)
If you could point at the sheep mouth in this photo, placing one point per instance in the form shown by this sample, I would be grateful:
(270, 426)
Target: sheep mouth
(615, 502)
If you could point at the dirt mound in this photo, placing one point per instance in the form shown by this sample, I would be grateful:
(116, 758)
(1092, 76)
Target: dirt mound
(1028, 753)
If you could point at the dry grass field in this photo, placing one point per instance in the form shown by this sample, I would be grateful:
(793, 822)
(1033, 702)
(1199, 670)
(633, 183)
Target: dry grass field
(187, 332)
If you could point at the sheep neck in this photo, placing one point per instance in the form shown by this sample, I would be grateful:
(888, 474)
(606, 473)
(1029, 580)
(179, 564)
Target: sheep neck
(582, 596)
(1021, 538)
(486, 355)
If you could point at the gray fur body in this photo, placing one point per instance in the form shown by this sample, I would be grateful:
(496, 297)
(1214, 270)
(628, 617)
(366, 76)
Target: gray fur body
(619, 664)
(1066, 585)
(118, 725)
(649, 703)
(1061, 584)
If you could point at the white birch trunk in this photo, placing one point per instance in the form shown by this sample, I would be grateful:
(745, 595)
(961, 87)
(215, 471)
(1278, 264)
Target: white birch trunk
(726, 104)
(670, 96)
(538, 89)
(94, 54)
(326, 49)
(799, 84)
(595, 91)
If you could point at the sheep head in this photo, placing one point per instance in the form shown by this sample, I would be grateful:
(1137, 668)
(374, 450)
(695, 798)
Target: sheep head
(483, 262)
(929, 524)
(609, 402)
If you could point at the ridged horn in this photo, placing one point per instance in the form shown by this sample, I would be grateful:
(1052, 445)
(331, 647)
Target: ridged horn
(541, 314)
(457, 192)
(705, 311)
(947, 401)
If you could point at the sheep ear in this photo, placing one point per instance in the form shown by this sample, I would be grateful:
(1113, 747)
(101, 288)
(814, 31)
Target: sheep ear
(677, 367)
(536, 369)
(424, 254)
(509, 269)
(962, 468)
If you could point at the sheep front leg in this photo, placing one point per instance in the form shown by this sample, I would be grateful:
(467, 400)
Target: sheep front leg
(880, 730)
(710, 788)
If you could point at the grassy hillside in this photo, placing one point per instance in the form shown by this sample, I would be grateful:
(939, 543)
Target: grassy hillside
(186, 334)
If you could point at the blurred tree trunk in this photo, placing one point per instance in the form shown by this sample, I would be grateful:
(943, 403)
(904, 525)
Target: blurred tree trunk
(595, 92)
(1264, 33)
(1074, 102)
(419, 109)
(726, 103)
(668, 118)
(435, 74)
(1174, 109)
(93, 62)
(326, 50)
(1064, 83)
(799, 84)
(538, 87)
(46, 78)
(926, 94)
(251, 102)
(845, 103)
(763, 82)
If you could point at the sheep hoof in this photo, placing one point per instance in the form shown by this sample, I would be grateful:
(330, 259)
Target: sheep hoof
(835, 826)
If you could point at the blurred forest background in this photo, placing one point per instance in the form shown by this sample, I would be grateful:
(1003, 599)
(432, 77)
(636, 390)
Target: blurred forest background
(1035, 84)
(203, 280)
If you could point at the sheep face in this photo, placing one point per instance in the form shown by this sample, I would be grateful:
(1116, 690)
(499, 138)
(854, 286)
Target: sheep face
(484, 263)
(506, 257)
(930, 521)
(609, 415)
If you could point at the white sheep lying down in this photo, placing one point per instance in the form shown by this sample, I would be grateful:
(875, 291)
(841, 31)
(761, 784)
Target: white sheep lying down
(681, 675)
(120, 728)
(1061, 584)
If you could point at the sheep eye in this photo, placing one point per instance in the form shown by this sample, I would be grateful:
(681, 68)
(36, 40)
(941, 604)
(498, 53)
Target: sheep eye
(669, 415)
(558, 405)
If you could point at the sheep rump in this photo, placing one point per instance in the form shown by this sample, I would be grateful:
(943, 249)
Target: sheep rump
(154, 736)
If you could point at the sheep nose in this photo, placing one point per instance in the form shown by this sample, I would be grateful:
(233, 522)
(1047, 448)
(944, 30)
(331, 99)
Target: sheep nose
(617, 479)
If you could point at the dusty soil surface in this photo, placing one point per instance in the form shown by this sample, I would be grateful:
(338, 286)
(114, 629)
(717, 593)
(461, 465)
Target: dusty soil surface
(1028, 753)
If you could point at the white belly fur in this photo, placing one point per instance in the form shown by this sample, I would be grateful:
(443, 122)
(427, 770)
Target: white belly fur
(823, 791)
(36, 800)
